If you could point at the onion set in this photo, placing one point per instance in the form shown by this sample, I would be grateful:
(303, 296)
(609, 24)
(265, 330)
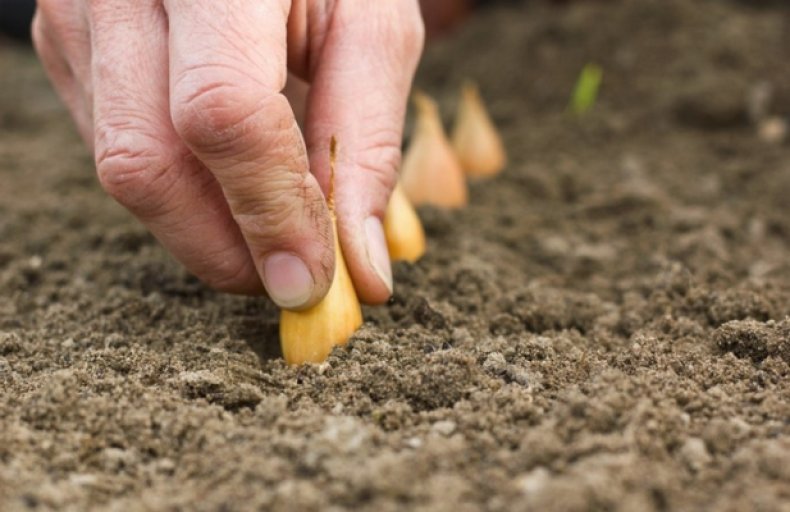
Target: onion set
(431, 173)
(475, 139)
(310, 335)
(403, 229)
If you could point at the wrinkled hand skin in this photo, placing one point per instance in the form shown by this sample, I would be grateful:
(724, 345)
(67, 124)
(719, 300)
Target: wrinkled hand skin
(182, 104)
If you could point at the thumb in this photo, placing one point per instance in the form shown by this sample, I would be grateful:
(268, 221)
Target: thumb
(360, 85)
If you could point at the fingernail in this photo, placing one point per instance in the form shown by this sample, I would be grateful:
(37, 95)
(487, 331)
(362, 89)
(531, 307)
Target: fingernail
(287, 280)
(378, 256)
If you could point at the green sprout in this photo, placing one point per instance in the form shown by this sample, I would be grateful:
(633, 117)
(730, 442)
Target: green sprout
(586, 90)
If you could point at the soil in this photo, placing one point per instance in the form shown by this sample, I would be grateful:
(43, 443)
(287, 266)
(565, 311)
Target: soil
(604, 328)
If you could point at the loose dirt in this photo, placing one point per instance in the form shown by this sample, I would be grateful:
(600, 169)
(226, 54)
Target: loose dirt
(604, 328)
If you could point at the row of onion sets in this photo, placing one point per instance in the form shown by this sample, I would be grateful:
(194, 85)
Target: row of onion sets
(435, 171)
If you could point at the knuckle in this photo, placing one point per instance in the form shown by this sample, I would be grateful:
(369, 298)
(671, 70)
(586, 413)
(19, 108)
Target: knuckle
(124, 176)
(137, 177)
(212, 113)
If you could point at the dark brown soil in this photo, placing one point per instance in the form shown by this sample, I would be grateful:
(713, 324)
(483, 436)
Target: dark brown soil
(604, 328)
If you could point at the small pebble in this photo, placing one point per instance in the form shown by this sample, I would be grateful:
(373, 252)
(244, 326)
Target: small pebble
(534, 481)
(695, 454)
(444, 427)
(772, 130)
(414, 442)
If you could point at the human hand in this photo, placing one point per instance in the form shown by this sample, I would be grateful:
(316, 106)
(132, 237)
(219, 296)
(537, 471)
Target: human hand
(181, 102)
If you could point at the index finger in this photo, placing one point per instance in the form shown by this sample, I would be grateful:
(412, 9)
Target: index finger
(227, 68)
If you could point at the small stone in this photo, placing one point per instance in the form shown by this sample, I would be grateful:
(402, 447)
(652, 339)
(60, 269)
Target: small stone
(83, 479)
(166, 466)
(444, 427)
(35, 262)
(534, 481)
(345, 433)
(414, 442)
(772, 130)
(695, 454)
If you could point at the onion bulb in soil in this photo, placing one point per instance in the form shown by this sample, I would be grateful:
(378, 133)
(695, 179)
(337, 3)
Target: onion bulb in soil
(475, 138)
(431, 173)
(403, 229)
(310, 335)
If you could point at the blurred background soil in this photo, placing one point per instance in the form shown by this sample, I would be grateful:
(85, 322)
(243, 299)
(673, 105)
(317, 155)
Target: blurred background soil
(604, 328)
